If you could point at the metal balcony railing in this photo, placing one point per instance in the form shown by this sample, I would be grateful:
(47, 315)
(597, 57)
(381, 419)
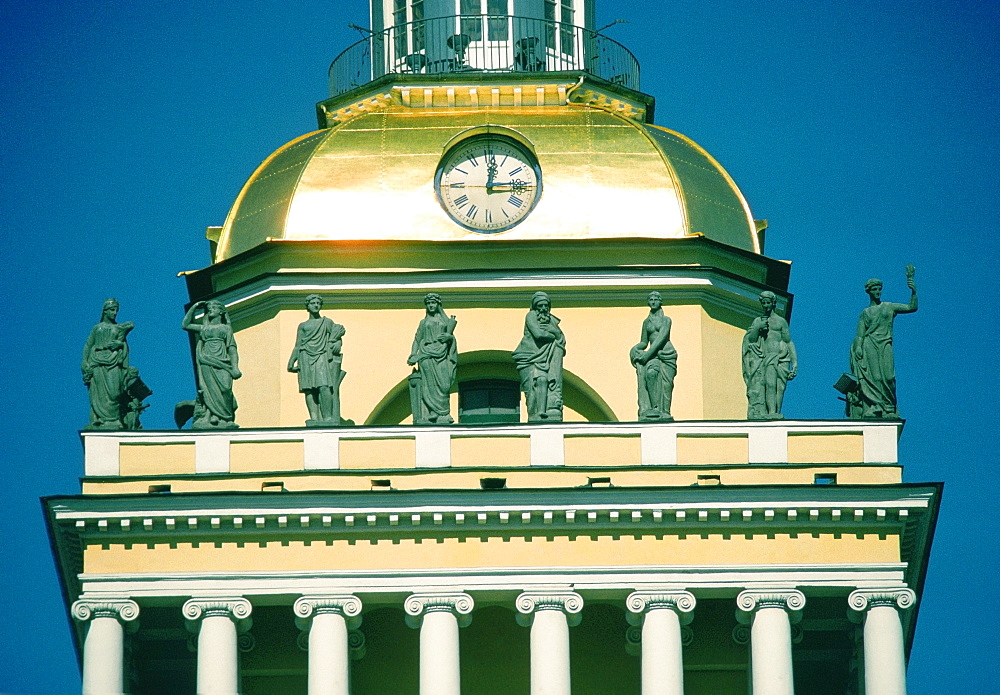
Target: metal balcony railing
(482, 44)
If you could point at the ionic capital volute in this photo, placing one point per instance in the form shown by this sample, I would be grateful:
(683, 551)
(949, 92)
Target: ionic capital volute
(862, 600)
(123, 610)
(530, 602)
(644, 600)
(236, 608)
(792, 601)
(459, 603)
(346, 605)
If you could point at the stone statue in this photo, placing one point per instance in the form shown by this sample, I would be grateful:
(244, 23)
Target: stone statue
(655, 362)
(769, 361)
(217, 364)
(435, 354)
(115, 389)
(539, 360)
(871, 353)
(316, 358)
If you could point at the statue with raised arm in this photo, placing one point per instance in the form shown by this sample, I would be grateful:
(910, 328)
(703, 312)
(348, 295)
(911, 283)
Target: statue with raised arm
(217, 364)
(317, 359)
(435, 357)
(769, 361)
(106, 370)
(871, 353)
(655, 362)
(539, 360)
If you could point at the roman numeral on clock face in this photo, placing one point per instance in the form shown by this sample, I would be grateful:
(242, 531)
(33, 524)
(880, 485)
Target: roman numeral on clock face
(461, 201)
(515, 201)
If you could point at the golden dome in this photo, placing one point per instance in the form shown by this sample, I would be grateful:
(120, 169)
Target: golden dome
(604, 177)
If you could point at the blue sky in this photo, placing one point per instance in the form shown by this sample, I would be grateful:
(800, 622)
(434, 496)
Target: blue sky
(865, 132)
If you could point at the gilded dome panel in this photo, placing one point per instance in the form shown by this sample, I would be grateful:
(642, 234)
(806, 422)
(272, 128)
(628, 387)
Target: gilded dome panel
(603, 176)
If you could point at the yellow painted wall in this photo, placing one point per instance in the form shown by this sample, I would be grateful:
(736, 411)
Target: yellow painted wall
(252, 457)
(377, 453)
(476, 553)
(825, 448)
(378, 341)
(443, 478)
(490, 451)
(156, 459)
(602, 451)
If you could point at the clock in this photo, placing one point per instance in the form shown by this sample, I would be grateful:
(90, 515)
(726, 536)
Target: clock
(488, 183)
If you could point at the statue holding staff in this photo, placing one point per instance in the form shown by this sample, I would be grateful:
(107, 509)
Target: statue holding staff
(769, 361)
(216, 364)
(317, 359)
(872, 362)
(105, 369)
(539, 360)
(655, 362)
(435, 357)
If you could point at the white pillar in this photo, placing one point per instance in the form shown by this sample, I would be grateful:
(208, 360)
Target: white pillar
(217, 621)
(550, 614)
(885, 660)
(104, 645)
(437, 616)
(328, 620)
(770, 614)
(661, 614)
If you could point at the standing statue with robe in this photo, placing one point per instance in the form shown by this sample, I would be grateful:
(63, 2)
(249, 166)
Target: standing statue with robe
(872, 362)
(217, 364)
(435, 357)
(655, 362)
(105, 369)
(317, 359)
(539, 361)
(769, 361)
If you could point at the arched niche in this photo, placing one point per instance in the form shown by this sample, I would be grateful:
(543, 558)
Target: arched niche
(494, 364)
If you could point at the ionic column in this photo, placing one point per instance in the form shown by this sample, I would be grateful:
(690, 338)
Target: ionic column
(438, 616)
(550, 614)
(104, 645)
(217, 621)
(770, 614)
(327, 619)
(661, 614)
(885, 660)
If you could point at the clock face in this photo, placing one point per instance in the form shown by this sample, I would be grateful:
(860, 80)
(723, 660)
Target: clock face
(488, 183)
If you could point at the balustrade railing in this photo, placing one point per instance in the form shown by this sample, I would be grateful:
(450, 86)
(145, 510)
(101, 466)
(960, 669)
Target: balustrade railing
(482, 44)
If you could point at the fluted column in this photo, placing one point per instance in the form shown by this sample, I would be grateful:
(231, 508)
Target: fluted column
(885, 660)
(550, 614)
(217, 622)
(438, 616)
(104, 645)
(770, 614)
(661, 614)
(327, 620)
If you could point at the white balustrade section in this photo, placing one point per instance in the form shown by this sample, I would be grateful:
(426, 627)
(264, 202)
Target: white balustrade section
(767, 442)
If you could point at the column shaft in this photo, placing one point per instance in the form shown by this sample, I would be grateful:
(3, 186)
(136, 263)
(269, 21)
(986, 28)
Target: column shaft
(771, 652)
(439, 654)
(218, 658)
(885, 666)
(329, 666)
(103, 649)
(550, 673)
(662, 656)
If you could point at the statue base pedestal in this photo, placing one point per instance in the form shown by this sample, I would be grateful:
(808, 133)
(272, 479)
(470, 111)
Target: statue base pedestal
(323, 423)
